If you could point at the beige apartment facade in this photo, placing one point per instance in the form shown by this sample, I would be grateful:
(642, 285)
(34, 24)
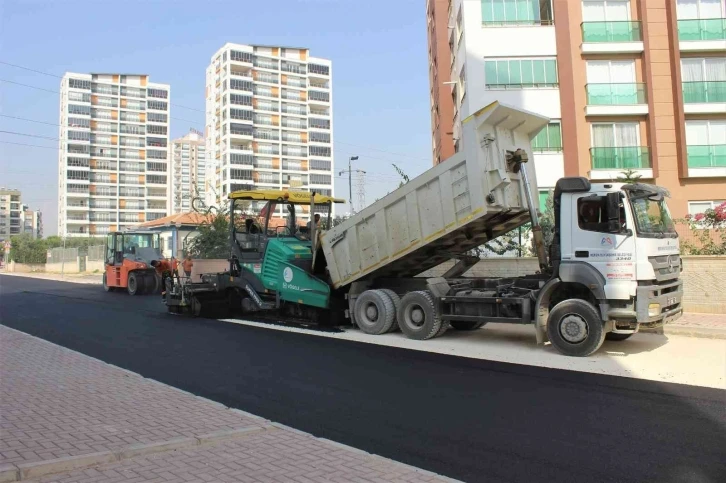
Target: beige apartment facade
(640, 85)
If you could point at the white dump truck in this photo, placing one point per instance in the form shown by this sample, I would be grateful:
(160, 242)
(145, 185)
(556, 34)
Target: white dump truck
(612, 268)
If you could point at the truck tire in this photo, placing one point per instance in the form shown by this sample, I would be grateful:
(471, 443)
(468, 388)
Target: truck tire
(374, 312)
(466, 325)
(617, 337)
(417, 316)
(575, 329)
(396, 304)
(105, 284)
(135, 284)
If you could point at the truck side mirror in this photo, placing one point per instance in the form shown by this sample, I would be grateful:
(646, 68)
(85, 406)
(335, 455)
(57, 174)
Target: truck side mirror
(613, 212)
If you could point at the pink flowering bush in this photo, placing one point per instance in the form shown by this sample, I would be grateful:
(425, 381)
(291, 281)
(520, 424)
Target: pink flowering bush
(708, 230)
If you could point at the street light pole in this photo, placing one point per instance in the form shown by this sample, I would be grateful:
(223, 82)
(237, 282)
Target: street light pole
(350, 181)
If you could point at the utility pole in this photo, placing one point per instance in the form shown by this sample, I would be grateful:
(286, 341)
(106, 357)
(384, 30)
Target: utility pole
(350, 181)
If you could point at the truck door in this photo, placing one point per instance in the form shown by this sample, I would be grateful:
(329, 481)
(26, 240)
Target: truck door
(611, 254)
(112, 278)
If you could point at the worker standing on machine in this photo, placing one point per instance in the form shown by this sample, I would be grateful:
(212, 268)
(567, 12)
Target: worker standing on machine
(187, 265)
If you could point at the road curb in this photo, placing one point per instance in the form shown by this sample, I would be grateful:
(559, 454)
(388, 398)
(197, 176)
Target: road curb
(25, 471)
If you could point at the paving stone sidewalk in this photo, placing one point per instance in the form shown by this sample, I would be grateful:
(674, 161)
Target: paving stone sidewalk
(67, 417)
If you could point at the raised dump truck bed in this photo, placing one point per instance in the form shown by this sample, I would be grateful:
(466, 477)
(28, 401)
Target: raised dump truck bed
(472, 197)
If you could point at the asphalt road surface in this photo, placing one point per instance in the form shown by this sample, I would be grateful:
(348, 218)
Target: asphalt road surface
(468, 419)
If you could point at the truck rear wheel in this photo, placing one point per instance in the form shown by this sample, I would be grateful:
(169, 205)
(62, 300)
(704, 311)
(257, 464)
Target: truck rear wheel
(417, 316)
(374, 312)
(466, 325)
(575, 329)
(396, 304)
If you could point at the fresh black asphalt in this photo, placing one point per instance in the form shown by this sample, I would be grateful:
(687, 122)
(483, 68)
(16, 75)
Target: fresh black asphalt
(468, 419)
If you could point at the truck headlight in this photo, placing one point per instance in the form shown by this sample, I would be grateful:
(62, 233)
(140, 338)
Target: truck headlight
(653, 310)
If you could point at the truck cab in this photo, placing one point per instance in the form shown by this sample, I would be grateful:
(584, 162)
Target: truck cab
(618, 242)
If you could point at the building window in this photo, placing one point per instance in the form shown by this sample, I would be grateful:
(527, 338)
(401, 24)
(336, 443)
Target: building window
(318, 96)
(241, 114)
(76, 109)
(706, 144)
(79, 84)
(704, 80)
(159, 93)
(319, 137)
(318, 69)
(152, 129)
(319, 151)
(520, 73)
(696, 207)
(238, 56)
(320, 179)
(240, 85)
(549, 138)
(616, 146)
(79, 122)
(319, 123)
(157, 117)
(157, 105)
(516, 12)
(79, 135)
(700, 9)
(240, 100)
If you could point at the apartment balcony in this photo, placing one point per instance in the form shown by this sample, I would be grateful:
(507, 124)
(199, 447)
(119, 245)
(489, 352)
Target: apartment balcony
(608, 163)
(702, 35)
(611, 37)
(707, 160)
(626, 99)
(704, 97)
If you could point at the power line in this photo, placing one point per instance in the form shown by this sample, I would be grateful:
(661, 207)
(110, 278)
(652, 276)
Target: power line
(381, 151)
(29, 135)
(30, 145)
(60, 77)
(29, 69)
(26, 85)
(30, 120)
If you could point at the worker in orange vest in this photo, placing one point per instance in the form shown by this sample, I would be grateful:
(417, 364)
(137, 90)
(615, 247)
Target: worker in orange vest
(187, 265)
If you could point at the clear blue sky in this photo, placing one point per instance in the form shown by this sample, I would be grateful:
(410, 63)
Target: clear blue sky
(378, 49)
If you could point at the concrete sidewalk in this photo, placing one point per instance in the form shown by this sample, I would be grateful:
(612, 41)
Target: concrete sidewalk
(67, 417)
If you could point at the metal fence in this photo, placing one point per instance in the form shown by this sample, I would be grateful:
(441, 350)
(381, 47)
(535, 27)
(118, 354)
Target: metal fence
(58, 255)
(96, 253)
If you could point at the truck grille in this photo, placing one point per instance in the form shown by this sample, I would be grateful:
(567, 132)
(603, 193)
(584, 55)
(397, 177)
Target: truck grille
(666, 267)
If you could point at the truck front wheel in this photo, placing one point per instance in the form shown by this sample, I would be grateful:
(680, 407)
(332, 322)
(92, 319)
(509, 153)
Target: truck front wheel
(575, 329)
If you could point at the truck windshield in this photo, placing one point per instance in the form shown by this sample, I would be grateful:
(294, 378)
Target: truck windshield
(652, 218)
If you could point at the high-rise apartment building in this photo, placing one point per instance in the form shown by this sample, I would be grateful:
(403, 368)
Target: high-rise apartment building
(269, 120)
(188, 171)
(32, 222)
(628, 84)
(11, 213)
(113, 163)
(442, 104)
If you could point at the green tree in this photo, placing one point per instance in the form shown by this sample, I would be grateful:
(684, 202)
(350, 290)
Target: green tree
(26, 249)
(629, 176)
(212, 239)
